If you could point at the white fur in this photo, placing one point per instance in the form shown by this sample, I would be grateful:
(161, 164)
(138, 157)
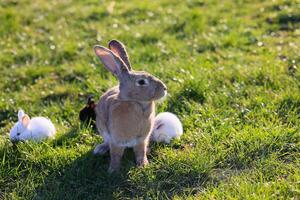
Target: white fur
(37, 129)
(166, 127)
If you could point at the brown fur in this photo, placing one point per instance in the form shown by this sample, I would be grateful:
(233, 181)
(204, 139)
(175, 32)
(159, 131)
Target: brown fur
(125, 113)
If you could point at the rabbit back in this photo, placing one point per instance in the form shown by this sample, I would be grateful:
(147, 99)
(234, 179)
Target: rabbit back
(41, 128)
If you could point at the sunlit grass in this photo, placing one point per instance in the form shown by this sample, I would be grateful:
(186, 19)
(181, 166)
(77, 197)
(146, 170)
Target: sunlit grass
(232, 71)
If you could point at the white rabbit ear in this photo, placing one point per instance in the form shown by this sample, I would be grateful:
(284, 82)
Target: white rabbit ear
(20, 115)
(111, 61)
(25, 120)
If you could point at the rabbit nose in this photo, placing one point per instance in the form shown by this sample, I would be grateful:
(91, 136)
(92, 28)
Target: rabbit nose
(164, 87)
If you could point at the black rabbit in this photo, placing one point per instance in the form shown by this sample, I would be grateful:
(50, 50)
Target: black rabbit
(88, 114)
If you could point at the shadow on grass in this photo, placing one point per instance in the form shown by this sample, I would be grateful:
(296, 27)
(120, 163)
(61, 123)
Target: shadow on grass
(288, 105)
(87, 178)
(289, 110)
(66, 139)
(286, 22)
(84, 178)
(96, 16)
(6, 116)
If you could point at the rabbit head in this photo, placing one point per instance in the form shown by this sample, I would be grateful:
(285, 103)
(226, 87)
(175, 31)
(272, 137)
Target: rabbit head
(134, 85)
(20, 129)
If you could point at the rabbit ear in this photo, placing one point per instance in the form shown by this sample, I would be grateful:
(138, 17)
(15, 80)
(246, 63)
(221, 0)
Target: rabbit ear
(111, 61)
(20, 115)
(25, 120)
(119, 48)
(90, 100)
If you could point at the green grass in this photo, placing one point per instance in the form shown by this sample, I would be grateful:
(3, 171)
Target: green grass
(232, 70)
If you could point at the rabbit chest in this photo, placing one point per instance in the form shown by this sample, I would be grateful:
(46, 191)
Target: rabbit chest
(130, 123)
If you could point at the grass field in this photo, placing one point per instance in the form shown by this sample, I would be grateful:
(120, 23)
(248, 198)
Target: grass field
(232, 70)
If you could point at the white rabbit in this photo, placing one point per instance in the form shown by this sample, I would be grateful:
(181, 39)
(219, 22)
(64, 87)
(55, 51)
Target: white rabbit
(166, 127)
(37, 128)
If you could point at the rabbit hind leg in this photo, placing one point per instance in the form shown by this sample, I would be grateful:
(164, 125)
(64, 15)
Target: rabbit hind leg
(103, 148)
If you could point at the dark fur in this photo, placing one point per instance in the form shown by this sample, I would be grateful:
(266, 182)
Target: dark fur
(88, 114)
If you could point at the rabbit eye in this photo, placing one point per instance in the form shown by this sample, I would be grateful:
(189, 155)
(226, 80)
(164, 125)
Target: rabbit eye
(18, 134)
(142, 82)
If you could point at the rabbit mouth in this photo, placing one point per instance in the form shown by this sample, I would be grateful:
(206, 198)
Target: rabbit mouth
(14, 141)
(161, 99)
(161, 95)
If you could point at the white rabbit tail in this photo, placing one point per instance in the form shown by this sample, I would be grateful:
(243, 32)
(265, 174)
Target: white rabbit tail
(166, 127)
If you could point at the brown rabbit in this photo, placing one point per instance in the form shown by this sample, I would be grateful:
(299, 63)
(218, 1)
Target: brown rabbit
(125, 113)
